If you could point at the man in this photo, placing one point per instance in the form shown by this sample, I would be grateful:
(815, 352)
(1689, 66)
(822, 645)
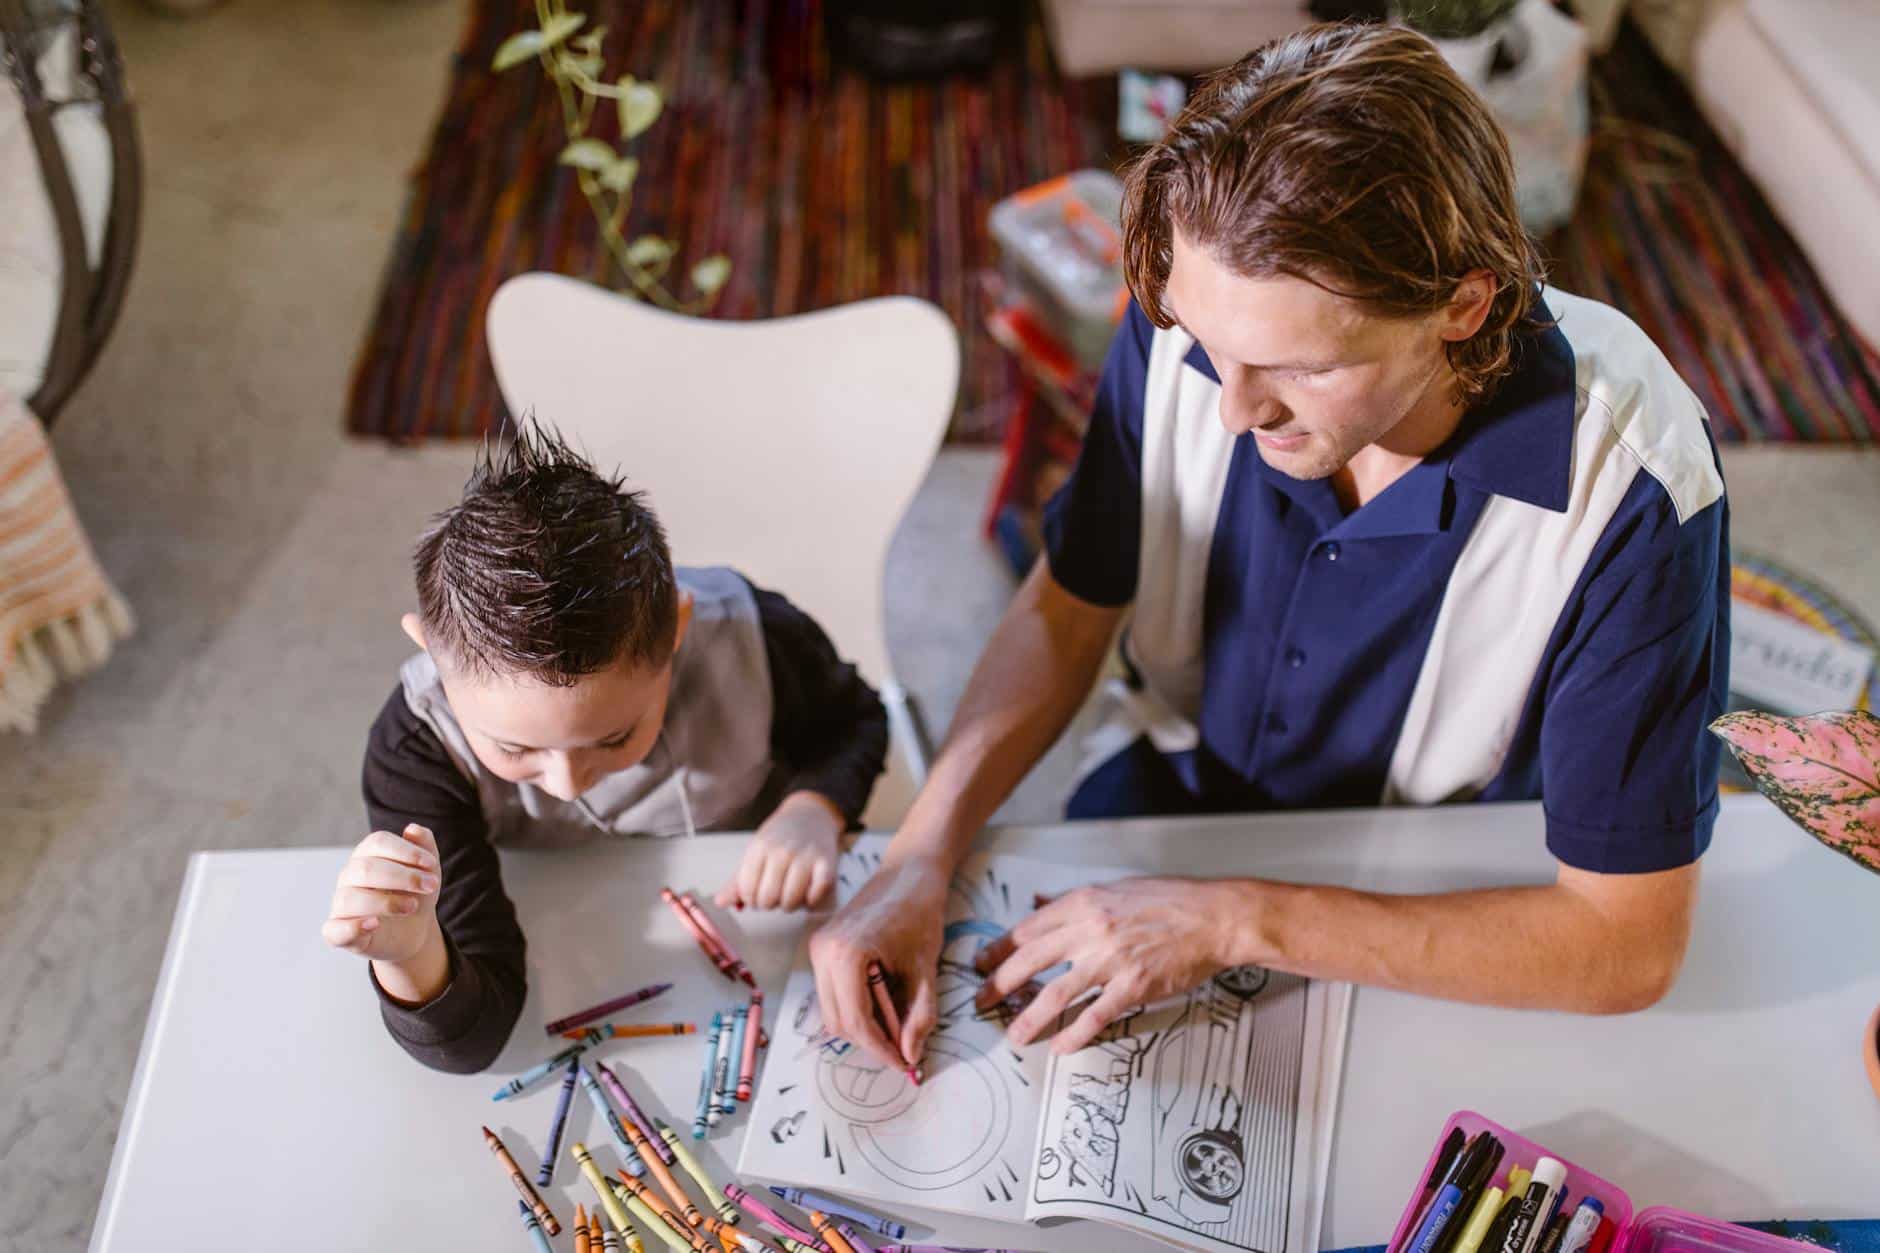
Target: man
(1387, 522)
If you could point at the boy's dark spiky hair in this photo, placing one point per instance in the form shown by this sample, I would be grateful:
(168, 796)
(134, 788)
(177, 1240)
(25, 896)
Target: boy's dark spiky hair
(545, 568)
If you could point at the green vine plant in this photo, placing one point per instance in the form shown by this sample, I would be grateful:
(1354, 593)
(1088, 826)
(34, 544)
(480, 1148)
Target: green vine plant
(571, 58)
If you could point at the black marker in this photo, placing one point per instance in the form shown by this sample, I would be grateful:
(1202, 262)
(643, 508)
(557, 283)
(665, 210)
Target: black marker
(1531, 1214)
(1439, 1174)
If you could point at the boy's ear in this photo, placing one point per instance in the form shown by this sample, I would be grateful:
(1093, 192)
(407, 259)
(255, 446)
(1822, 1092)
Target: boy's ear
(684, 623)
(415, 629)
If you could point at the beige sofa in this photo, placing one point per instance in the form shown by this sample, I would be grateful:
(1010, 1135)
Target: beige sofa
(1793, 87)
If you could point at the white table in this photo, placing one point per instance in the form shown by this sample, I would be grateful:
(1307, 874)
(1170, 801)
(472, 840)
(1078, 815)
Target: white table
(269, 1104)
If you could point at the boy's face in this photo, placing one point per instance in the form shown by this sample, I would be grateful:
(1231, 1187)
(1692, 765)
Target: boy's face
(562, 740)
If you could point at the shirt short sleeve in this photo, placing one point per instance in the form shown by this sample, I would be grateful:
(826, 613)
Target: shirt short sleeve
(1628, 766)
(1093, 525)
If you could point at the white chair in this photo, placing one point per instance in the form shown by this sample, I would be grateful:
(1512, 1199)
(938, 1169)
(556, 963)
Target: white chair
(786, 448)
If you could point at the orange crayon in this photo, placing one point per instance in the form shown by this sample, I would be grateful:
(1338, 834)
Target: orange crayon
(583, 1234)
(657, 1168)
(827, 1230)
(629, 1031)
(530, 1196)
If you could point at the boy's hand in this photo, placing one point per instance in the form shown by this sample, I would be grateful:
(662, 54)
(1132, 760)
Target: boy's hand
(385, 904)
(791, 863)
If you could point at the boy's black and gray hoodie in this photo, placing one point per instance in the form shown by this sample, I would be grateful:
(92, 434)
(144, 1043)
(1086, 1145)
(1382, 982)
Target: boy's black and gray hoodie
(761, 706)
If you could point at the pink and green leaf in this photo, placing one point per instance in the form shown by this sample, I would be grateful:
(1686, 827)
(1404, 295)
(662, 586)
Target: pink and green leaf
(1822, 770)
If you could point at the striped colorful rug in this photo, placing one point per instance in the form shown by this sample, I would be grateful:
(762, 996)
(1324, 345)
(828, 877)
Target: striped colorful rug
(1671, 230)
(824, 187)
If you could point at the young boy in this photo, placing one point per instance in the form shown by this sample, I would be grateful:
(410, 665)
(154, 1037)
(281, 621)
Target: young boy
(572, 685)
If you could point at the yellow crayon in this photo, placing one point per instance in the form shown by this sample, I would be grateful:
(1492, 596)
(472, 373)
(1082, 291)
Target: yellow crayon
(654, 1202)
(599, 1182)
(727, 1212)
(1479, 1218)
(653, 1222)
(630, 1237)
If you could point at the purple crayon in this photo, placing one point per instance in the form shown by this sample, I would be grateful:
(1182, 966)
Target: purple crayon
(605, 1008)
(768, 1216)
(624, 1099)
(545, 1174)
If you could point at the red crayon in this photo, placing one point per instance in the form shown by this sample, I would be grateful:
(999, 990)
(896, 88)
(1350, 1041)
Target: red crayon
(884, 1005)
(717, 937)
(689, 920)
(747, 1065)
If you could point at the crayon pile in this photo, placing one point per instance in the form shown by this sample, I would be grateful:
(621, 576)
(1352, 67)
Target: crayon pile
(1460, 1211)
(647, 1195)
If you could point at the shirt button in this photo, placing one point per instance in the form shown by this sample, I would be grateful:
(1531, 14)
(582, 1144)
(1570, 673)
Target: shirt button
(1331, 550)
(1295, 658)
(1276, 724)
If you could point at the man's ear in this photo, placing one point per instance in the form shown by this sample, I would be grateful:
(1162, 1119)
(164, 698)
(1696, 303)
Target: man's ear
(415, 629)
(684, 622)
(1468, 306)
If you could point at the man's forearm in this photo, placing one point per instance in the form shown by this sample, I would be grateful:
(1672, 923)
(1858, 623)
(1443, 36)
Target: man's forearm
(1028, 685)
(1546, 947)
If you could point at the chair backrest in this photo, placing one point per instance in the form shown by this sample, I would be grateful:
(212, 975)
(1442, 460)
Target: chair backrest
(788, 448)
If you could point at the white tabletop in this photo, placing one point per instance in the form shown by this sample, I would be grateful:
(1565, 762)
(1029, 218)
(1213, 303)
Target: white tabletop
(268, 1098)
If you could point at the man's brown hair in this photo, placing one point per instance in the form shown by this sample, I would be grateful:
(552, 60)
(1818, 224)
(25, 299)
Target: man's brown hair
(1352, 157)
(545, 568)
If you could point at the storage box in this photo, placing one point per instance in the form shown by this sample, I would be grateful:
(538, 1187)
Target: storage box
(1659, 1229)
(1062, 251)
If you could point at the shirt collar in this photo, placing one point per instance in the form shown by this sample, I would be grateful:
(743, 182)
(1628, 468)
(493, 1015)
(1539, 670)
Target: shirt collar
(1519, 443)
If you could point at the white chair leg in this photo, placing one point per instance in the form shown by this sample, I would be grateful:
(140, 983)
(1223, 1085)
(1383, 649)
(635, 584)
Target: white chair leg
(907, 729)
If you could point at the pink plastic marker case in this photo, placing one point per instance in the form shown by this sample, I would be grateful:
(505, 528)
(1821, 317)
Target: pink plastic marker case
(1659, 1229)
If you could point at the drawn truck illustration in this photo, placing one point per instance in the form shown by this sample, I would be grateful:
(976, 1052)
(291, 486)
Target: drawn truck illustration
(1201, 1072)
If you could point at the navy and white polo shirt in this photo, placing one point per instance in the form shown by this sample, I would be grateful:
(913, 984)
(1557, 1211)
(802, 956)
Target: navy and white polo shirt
(1539, 609)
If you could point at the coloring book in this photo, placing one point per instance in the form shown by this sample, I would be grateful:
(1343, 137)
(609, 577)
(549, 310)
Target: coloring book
(1204, 1121)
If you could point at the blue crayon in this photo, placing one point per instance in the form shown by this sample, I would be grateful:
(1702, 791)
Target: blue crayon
(546, 1174)
(742, 1020)
(605, 1113)
(861, 1218)
(535, 1074)
(707, 1078)
(534, 1228)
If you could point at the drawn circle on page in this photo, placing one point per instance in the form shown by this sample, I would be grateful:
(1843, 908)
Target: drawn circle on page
(897, 1126)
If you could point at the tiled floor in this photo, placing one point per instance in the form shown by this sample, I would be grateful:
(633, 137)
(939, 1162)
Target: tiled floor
(265, 554)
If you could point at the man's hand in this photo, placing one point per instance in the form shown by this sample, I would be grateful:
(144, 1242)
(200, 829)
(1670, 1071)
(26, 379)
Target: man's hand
(895, 919)
(385, 903)
(791, 862)
(1138, 940)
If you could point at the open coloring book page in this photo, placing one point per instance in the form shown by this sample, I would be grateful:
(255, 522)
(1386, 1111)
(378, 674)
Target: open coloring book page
(827, 1117)
(1204, 1121)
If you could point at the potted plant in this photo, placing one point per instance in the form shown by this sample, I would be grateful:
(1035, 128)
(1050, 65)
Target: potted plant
(1466, 31)
(1823, 771)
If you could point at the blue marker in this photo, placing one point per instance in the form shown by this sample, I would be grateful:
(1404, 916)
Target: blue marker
(1449, 1210)
(707, 1087)
(861, 1218)
(1585, 1223)
(535, 1074)
(605, 1113)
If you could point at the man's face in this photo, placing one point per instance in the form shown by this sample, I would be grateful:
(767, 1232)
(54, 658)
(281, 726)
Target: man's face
(1314, 377)
(562, 740)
